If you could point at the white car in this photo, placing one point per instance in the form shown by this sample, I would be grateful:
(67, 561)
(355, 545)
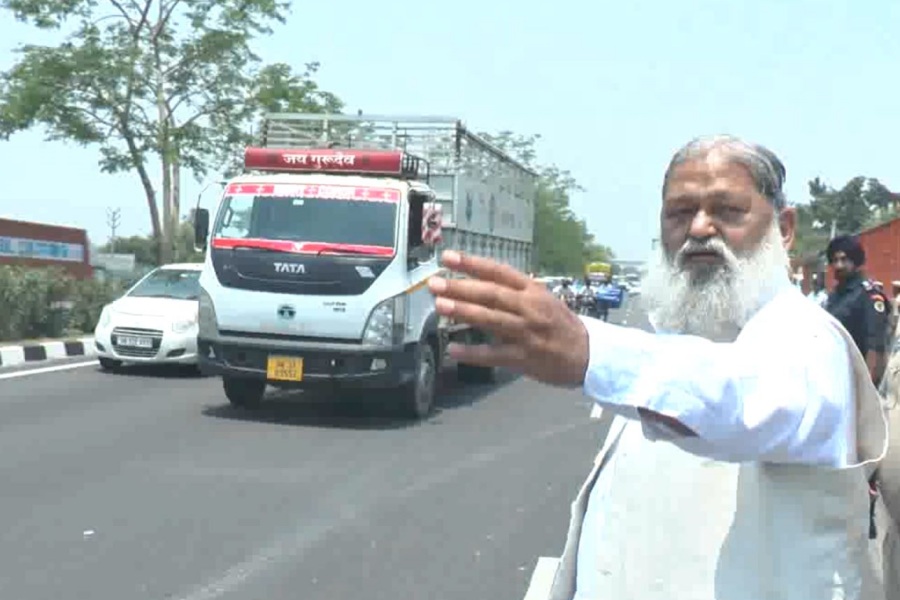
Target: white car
(153, 322)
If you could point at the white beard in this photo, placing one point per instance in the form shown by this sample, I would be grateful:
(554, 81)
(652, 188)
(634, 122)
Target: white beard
(715, 302)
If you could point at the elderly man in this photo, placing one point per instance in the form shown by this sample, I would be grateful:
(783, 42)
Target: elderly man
(746, 427)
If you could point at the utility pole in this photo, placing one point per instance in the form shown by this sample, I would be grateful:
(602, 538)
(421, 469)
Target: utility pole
(113, 218)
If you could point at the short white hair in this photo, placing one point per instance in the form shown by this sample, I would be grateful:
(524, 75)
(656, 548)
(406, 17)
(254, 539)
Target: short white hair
(765, 167)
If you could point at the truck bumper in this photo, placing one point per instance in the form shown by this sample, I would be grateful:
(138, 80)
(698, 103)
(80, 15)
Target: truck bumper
(325, 365)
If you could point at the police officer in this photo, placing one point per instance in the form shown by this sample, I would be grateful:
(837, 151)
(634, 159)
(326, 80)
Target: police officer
(857, 302)
(861, 307)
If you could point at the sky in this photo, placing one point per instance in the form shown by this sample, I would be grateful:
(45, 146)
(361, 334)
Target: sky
(613, 88)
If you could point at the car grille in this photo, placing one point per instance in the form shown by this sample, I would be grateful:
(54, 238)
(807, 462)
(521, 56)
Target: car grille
(128, 351)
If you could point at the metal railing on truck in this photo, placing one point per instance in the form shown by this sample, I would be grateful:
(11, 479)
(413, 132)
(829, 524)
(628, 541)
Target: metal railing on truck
(447, 145)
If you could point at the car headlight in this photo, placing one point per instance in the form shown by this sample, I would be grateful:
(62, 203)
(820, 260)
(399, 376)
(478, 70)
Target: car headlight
(182, 325)
(387, 322)
(105, 316)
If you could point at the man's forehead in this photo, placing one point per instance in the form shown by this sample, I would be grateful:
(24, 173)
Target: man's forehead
(709, 174)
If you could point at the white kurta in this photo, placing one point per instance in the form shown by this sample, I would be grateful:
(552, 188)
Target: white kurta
(768, 501)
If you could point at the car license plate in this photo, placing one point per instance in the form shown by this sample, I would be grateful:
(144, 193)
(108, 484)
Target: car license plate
(285, 368)
(135, 342)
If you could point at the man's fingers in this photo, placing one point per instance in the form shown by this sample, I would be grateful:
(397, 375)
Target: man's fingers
(484, 269)
(474, 291)
(502, 324)
(486, 355)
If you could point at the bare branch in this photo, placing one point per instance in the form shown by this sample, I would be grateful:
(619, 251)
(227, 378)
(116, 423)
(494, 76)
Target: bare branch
(144, 12)
(96, 117)
(124, 13)
(165, 13)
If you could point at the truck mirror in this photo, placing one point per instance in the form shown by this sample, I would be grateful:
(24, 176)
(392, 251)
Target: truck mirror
(432, 220)
(201, 227)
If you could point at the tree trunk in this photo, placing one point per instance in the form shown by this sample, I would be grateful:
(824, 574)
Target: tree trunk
(149, 192)
(165, 154)
(176, 203)
(166, 249)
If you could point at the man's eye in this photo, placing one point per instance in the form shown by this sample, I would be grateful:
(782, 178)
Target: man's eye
(681, 212)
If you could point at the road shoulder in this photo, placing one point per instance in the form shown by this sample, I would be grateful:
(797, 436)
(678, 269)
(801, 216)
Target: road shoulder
(32, 353)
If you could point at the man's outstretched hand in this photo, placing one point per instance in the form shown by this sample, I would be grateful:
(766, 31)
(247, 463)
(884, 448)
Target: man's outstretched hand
(535, 332)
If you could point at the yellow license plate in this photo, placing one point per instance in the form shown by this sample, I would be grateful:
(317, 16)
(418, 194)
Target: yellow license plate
(284, 368)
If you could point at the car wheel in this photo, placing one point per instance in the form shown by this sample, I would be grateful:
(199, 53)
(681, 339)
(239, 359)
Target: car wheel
(109, 364)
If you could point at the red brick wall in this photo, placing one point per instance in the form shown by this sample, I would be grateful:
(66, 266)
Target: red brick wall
(47, 233)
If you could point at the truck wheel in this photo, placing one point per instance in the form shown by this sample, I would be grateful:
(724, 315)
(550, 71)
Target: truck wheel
(109, 364)
(244, 392)
(475, 374)
(418, 395)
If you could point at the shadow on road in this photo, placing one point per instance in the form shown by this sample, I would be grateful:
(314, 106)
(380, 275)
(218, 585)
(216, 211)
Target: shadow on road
(356, 410)
(166, 371)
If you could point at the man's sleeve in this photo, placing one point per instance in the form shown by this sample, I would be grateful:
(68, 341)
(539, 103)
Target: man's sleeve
(876, 318)
(785, 396)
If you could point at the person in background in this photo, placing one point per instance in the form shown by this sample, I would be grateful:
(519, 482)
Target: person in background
(818, 294)
(895, 315)
(857, 303)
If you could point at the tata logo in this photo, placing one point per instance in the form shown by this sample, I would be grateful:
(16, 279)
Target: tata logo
(281, 267)
(287, 311)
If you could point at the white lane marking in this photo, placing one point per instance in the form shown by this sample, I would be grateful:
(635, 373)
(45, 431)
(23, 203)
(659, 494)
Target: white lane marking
(542, 578)
(43, 370)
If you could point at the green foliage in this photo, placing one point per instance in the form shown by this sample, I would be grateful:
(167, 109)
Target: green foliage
(144, 247)
(562, 242)
(30, 295)
(861, 203)
(170, 82)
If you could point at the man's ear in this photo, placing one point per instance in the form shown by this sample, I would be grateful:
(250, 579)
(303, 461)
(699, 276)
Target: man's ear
(787, 224)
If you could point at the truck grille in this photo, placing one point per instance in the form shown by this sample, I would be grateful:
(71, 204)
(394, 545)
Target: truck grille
(155, 336)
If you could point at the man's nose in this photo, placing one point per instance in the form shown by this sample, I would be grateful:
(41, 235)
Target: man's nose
(702, 226)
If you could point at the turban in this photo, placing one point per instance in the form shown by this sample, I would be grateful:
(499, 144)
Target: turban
(850, 246)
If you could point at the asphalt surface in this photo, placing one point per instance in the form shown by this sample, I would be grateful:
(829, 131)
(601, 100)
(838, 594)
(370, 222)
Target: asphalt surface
(147, 484)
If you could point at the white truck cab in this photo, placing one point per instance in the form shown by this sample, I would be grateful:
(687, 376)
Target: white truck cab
(315, 275)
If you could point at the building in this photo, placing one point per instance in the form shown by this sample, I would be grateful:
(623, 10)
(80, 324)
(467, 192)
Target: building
(32, 245)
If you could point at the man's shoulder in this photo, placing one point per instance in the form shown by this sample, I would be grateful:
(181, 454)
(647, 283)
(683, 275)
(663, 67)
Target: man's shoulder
(791, 315)
(876, 294)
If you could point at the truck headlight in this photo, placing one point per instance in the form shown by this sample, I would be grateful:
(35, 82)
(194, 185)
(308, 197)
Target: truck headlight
(206, 315)
(387, 322)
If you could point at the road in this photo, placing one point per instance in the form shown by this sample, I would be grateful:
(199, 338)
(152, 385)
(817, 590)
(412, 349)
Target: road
(146, 484)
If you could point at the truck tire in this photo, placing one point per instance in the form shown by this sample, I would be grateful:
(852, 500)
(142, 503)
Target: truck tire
(417, 396)
(475, 373)
(244, 392)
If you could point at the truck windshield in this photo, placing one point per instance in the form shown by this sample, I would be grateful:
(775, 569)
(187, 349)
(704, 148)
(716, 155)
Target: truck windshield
(306, 219)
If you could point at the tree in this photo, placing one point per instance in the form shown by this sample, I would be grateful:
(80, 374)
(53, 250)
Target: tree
(562, 241)
(861, 203)
(168, 81)
(145, 252)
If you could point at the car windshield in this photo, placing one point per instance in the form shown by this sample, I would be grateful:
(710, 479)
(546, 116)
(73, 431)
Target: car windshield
(360, 222)
(179, 284)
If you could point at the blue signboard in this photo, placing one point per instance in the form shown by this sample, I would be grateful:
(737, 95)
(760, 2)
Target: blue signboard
(41, 249)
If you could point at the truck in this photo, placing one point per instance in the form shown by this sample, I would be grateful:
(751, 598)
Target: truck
(318, 254)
